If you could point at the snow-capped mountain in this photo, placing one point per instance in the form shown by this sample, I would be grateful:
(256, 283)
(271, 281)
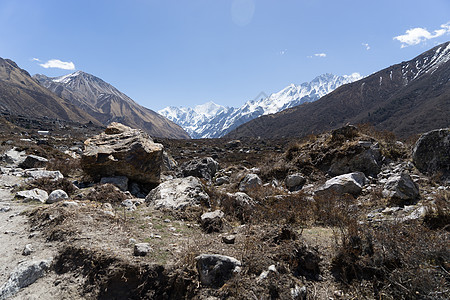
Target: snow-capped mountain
(212, 121)
(107, 104)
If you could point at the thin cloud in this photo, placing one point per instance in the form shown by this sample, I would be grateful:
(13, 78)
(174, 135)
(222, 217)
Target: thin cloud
(282, 52)
(56, 63)
(366, 45)
(418, 35)
(35, 59)
(320, 55)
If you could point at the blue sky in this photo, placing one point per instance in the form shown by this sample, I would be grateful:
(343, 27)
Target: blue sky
(175, 53)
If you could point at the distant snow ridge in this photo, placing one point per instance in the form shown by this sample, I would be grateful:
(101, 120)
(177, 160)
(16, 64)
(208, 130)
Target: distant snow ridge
(211, 120)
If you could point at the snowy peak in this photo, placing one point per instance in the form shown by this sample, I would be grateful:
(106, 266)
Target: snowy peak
(211, 120)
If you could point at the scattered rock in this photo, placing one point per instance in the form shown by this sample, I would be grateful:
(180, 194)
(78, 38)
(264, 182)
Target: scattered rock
(212, 221)
(215, 270)
(22, 276)
(33, 161)
(56, 196)
(123, 151)
(33, 195)
(351, 183)
(27, 250)
(250, 181)
(295, 181)
(229, 239)
(202, 168)
(120, 181)
(142, 249)
(431, 153)
(400, 189)
(178, 193)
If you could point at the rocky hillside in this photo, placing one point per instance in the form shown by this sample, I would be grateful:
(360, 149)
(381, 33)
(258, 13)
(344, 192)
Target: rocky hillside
(106, 104)
(348, 214)
(212, 121)
(407, 98)
(22, 95)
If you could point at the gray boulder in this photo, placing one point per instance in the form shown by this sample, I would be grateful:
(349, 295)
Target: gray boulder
(14, 157)
(214, 270)
(38, 174)
(22, 276)
(431, 153)
(33, 195)
(212, 221)
(202, 168)
(250, 181)
(351, 183)
(33, 161)
(123, 151)
(178, 194)
(56, 196)
(400, 189)
(120, 181)
(295, 181)
(241, 199)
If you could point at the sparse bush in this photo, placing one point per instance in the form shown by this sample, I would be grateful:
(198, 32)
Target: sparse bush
(49, 185)
(67, 166)
(106, 193)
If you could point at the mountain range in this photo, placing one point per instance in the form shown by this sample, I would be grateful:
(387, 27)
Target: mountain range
(105, 103)
(212, 121)
(407, 98)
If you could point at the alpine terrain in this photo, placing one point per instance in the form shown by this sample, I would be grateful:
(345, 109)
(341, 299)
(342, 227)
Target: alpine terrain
(107, 104)
(212, 121)
(407, 98)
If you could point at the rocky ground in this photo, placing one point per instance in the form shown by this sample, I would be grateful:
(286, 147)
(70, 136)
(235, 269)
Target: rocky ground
(349, 214)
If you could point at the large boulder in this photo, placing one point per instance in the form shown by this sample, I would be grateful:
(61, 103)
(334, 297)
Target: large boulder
(431, 153)
(35, 174)
(400, 189)
(178, 194)
(56, 196)
(202, 168)
(351, 183)
(215, 270)
(123, 151)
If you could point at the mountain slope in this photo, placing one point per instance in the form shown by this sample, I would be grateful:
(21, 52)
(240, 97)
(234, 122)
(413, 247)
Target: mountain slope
(212, 121)
(20, 94)
(107, 104)
(407, 98)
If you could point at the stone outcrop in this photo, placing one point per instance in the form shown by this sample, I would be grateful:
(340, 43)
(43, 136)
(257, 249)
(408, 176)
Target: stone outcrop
(178, 193)
(123, 151)
(431, 153)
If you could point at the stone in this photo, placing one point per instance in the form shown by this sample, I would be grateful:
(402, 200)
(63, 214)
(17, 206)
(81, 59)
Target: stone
(178, 193)
(400, 189)
(351, 183)
(141, 249)
(250, 181)
(70, 204)
(229, 239)
(295, 181)
(212, 221)
(33, 161)
(123, 151)
(242, 200)
(56, 196)
(38, 174)
(214, 270)
(33, 195)
(120, 181)
(22, 276)
(204, 168)
(431, 153)
(129, 204)
(169, 163)
(222, 180)
(14, 157)
(27, 250)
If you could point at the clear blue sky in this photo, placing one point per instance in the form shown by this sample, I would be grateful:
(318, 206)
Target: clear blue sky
(165, 52)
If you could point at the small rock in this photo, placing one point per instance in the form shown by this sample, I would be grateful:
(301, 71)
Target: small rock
(27, 250)
(56, 196)
(38, 174)
(212, 221)
(222, 180)
(229, 239)
(129, 204)
(142, 249)
(295, 181)
(250, 181)
(215, 270)
(400, 189)
(350, 183)
(70, 204)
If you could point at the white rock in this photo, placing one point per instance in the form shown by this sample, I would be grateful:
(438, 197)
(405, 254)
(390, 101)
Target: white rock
(33, 195)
